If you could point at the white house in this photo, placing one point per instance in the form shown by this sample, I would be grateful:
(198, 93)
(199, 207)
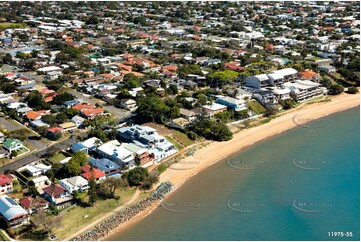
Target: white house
(76, 183)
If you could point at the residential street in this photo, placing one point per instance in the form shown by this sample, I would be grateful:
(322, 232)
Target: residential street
(120, 113)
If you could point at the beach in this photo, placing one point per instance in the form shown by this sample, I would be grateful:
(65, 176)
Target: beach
(216, 151)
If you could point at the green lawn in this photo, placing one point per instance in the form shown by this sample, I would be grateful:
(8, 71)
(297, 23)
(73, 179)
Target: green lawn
(78, 217)
(256, 107)
(57, 157)
(181, 138)
(176, 144)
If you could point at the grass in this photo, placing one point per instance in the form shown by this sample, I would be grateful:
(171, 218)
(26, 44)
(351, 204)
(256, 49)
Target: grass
(57, 158)
(181, 138)
(2, 236)
(176, 144)
(7, 25)
(78, 217)
(256, 107)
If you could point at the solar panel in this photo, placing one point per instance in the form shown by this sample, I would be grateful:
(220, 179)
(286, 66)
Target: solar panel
(11, 201)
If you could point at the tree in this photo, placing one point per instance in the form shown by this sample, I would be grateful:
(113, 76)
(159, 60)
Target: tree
(220, 78)
(92, 192)
(151, 108)
(46, 223)
(112, 184)
(136, 176)
(92, 20)
(73, 168)
(36, 101)
(80, 157)
(48, 118)
(42, 131)
(336, 89)
(20, 134)
(62, 98)
(61, 118)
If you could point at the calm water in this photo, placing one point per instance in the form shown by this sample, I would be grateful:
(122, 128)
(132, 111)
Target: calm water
(299, 185)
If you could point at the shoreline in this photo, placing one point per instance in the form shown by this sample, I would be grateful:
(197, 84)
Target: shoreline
(217, 151)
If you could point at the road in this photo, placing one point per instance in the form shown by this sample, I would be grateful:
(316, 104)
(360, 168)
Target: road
(121, 114)
(35, 156)
(12, 125)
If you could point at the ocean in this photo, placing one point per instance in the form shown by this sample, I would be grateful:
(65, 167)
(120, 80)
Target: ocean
(303, 184)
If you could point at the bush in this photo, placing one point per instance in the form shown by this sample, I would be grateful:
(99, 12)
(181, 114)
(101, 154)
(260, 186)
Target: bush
(161, 168)
(352, 90)
(192, 135)
(336, 89)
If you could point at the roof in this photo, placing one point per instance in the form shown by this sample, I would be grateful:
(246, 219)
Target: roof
(92, 173)
(215, 106)
(186, 112)
(77, 180)
(8, 143)
(94, 111)
(10, 209)
(34, 114)
(81, 107)
(104, 164)
(4, 178)
(67, 125)
(55, 129)
(54, 190)
(308, 74)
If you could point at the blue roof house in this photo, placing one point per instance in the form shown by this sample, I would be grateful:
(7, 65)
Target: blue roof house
(12, 213)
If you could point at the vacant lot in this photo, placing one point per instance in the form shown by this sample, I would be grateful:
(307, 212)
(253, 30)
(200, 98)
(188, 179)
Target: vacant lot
(256, 107)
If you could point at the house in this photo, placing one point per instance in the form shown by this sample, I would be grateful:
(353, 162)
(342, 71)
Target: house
(35, 169)
(187, 114)
(90, 173)
(77, 120)
(57, 195)
(11, 213)
(53, 131)
(140, 153)
(107, 166)
(69, 104)
(128, 104)
(281, 93)
(129, 134)
(13, 145)
(115, 152)
(91, 113)
(265, 96)
(40, 182)
(327, 68)
(76, 183)
(304, 89)
(33, 205)
(236, 104)
(68, 127)
(214, 108)
(6, 184)
(257, 81)
(34, 115)
(2, 137)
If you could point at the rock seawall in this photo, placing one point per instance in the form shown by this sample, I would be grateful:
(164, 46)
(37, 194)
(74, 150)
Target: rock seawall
(107, 226)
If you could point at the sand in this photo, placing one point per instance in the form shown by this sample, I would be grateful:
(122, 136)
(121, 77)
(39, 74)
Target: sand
(216, 151)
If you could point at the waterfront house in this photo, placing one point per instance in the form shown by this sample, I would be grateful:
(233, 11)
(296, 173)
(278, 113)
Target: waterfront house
(235, 104)
(58, 196)
(90, 173)
(304, 89)
(115, 152)
(11, 213)
(76, 183)
(107, 166)
(33, 205)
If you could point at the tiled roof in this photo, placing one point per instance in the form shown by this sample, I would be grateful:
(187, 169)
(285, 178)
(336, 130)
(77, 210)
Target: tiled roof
(54, 190)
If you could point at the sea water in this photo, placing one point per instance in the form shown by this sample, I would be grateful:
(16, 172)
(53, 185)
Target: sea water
(303, 184)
